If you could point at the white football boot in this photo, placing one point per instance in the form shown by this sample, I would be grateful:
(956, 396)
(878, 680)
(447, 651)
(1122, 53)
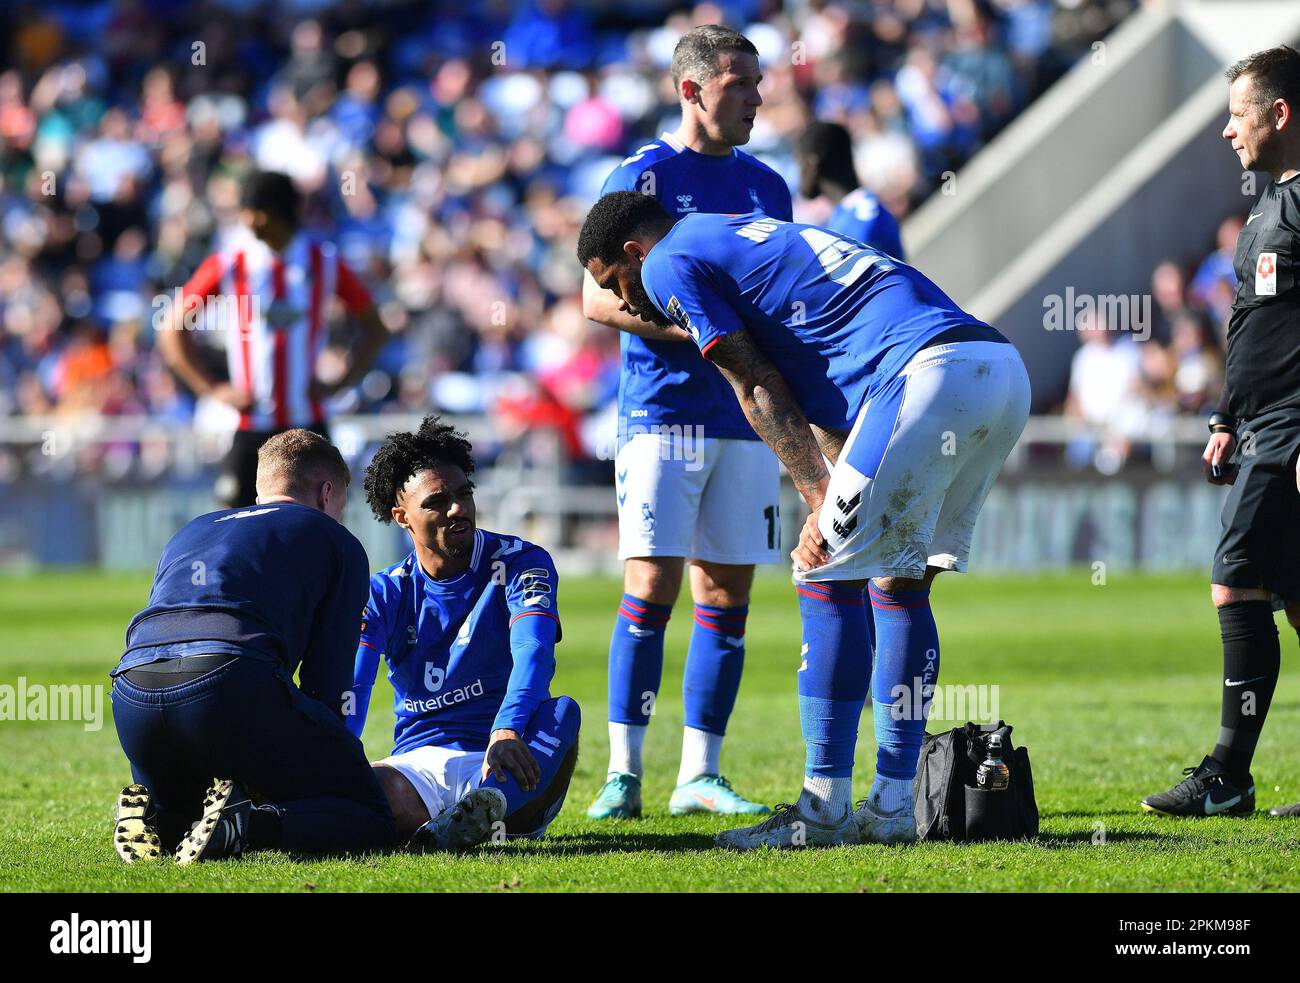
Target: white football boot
(466, 824)
(790, 828)
(876, 826)
(135, 836)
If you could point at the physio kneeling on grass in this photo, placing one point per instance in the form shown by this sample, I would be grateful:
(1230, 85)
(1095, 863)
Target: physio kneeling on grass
(241, 600)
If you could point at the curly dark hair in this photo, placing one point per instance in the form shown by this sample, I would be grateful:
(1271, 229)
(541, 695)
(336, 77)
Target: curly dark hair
(404, 454)
(613, 219)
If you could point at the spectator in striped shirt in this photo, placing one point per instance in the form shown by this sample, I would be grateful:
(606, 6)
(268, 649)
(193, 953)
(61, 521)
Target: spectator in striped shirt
(268, 286)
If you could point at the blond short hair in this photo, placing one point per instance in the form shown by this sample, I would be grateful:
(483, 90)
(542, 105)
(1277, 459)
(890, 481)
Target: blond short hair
(295, 462)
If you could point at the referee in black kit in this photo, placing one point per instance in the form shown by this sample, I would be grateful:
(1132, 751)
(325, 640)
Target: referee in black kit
(1257, 565)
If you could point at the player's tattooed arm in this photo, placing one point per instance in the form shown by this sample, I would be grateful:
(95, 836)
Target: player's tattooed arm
(831, 441)
(772, 411)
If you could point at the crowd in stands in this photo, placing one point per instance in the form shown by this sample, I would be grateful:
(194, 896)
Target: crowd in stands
(451, 149)
(1128, 385)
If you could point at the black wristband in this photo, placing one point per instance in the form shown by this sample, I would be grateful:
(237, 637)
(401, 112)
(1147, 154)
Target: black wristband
(1222, 423)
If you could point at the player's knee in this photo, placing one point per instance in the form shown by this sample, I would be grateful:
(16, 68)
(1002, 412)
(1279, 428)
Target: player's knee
(409, 810)
(657, 579)
(1222, 595)
(900, 584)
(722, 585)
(908, 583)
(529, 817)
(566, 713)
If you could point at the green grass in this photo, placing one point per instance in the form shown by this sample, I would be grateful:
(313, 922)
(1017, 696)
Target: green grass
(1113, 688)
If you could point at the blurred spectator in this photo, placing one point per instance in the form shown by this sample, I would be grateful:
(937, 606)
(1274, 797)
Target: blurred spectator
(1198, 361)
(1215, 282)
(1105, 374)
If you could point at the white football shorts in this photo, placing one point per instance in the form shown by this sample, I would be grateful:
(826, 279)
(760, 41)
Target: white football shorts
(919, 462)
(441, 775)
(711, 499)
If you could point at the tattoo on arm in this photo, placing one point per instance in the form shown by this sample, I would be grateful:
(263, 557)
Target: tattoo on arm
(830, 441)
(772, 411)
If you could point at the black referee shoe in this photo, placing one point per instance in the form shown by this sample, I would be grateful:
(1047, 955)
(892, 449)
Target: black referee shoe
(135, 836)
(1286, 812)
(1206, 791)
(222, 832)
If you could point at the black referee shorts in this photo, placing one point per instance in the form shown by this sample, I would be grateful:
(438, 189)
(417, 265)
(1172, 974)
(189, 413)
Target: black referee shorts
(1260, 544)
(237, 483)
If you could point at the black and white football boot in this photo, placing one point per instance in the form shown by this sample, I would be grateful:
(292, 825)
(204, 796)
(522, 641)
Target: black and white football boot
(1286, 812)
(1206, 791)
(468, 823)
(135, 835)
(222, 832)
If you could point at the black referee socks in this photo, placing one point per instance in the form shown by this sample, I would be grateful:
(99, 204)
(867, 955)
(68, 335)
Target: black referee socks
(1251, 663)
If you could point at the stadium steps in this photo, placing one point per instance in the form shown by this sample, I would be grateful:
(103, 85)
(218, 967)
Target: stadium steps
(1117, 166)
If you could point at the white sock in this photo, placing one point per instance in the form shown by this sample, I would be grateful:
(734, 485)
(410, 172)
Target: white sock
(827, 800)
(890, 795)
(625, 743)
(700, 753)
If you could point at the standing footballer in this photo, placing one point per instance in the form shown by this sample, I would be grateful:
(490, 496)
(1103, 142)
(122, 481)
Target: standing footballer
(1258, 560)
(693, 479)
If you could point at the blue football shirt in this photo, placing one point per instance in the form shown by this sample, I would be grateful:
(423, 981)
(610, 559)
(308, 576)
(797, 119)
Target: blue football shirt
(448, 644)
(662, 382)
(862, 217)
(837, 318)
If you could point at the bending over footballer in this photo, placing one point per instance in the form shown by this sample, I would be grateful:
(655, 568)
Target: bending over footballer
(914, 403)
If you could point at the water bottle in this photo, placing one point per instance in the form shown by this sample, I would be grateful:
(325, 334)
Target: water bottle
(993, 775)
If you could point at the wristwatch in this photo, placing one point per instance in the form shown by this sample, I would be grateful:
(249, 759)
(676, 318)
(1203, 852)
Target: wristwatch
(1222, 423)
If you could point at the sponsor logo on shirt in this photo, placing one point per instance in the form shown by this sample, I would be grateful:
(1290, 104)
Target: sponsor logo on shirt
(1266, 275)
(461, 694)
(684, 203)
(434, 677)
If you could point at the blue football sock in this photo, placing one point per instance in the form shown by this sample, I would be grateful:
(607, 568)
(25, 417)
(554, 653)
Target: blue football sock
(834, 677)
(905, 674)
(551, 733)
(713, 665)
(636, 660)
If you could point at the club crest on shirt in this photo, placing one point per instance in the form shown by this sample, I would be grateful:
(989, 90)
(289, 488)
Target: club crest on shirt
(1266, 275)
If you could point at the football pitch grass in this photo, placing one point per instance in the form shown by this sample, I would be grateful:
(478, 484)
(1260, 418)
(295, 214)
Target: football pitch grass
(1113, 688)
